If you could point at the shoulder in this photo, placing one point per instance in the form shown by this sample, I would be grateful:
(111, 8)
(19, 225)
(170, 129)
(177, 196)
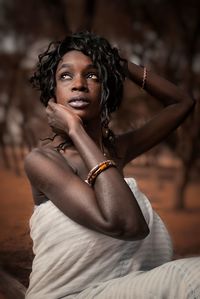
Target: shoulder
(36, 153)
(32, 156)
(45, 151)
(39, 158)
(43, 169)
(46, 170)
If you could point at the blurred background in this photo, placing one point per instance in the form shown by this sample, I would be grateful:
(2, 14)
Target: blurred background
(164, 35)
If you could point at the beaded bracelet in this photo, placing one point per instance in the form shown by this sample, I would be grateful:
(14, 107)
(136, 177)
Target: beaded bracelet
(144, 79)
(95, 171)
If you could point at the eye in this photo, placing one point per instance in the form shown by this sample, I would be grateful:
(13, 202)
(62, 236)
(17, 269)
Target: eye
(65, 76)
(93, 76)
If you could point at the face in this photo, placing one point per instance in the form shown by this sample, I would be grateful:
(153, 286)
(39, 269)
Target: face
(78, 86)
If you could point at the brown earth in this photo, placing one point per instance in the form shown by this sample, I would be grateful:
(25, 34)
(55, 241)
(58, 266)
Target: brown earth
(157, 184)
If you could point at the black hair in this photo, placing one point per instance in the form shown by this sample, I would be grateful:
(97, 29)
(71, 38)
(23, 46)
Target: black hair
(110, 65)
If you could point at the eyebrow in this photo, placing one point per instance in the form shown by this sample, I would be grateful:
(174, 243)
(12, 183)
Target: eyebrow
(64, 65)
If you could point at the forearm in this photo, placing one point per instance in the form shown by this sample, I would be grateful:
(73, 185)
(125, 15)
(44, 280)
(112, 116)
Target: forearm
(166, 92)
(110, 189)
(88, 150)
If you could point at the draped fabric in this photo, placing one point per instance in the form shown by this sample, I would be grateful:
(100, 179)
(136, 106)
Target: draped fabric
(72, 261)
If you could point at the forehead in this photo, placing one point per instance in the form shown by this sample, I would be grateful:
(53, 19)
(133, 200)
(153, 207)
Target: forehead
(75, 58)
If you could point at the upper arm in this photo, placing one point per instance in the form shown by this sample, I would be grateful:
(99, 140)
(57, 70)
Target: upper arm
(154, 131)
(52, 175)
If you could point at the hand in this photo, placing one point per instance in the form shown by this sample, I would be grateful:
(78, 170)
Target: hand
(61, 119)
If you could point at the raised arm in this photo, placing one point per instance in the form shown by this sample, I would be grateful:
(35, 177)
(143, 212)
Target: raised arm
(177, 106)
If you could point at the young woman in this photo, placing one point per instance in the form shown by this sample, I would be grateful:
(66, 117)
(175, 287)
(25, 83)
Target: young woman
(94, 233)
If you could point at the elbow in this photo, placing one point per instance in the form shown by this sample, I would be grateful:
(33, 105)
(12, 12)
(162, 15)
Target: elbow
(193, 103)
(189, 106)
(129, 230)
(189, 103)
(136, 232)
(185, 107)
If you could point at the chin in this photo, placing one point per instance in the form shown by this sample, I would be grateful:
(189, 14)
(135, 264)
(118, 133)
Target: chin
(85, 116)
(81, 113)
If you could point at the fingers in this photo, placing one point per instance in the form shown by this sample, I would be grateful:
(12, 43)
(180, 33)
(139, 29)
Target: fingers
(51, 103)
(52, 100)
(51, 106)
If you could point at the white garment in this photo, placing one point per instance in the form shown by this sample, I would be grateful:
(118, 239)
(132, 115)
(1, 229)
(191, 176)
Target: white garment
(72, 261)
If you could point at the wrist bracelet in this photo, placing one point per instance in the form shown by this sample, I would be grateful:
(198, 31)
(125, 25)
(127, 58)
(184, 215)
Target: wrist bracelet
(144, 78)
(95, 171)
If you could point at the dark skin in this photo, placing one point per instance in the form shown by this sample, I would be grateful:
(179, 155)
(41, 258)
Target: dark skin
(109, 206)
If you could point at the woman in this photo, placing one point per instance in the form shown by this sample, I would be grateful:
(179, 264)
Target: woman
(94, 233)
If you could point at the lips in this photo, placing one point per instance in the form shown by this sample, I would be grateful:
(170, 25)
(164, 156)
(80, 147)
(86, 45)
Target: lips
(78, 102)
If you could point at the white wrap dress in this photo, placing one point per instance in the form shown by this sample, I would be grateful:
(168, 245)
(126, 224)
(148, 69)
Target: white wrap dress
(72, 261)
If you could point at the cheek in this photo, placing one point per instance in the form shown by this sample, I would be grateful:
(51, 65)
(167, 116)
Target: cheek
(60, 93)
(56, 93)
(97, 92)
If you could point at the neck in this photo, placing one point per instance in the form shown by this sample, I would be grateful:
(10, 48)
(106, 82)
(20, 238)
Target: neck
(93, 130)
(95, 133)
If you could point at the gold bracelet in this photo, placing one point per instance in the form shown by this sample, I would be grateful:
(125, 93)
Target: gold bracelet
(144, 78)
(95, 171)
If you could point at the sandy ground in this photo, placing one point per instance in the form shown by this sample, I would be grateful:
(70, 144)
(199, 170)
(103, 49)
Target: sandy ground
(158, 185)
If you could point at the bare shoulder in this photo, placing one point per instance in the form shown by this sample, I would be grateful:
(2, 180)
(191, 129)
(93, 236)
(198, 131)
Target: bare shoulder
(31, 157)
(42, 162)
(38, 155)
(43, 152)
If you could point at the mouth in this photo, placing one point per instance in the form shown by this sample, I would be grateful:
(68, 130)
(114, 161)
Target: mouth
(78, 102)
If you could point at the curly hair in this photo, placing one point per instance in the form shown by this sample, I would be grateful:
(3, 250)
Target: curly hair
(110, 65)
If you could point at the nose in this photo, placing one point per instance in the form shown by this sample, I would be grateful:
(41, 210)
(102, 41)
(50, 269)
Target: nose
(79, 84)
